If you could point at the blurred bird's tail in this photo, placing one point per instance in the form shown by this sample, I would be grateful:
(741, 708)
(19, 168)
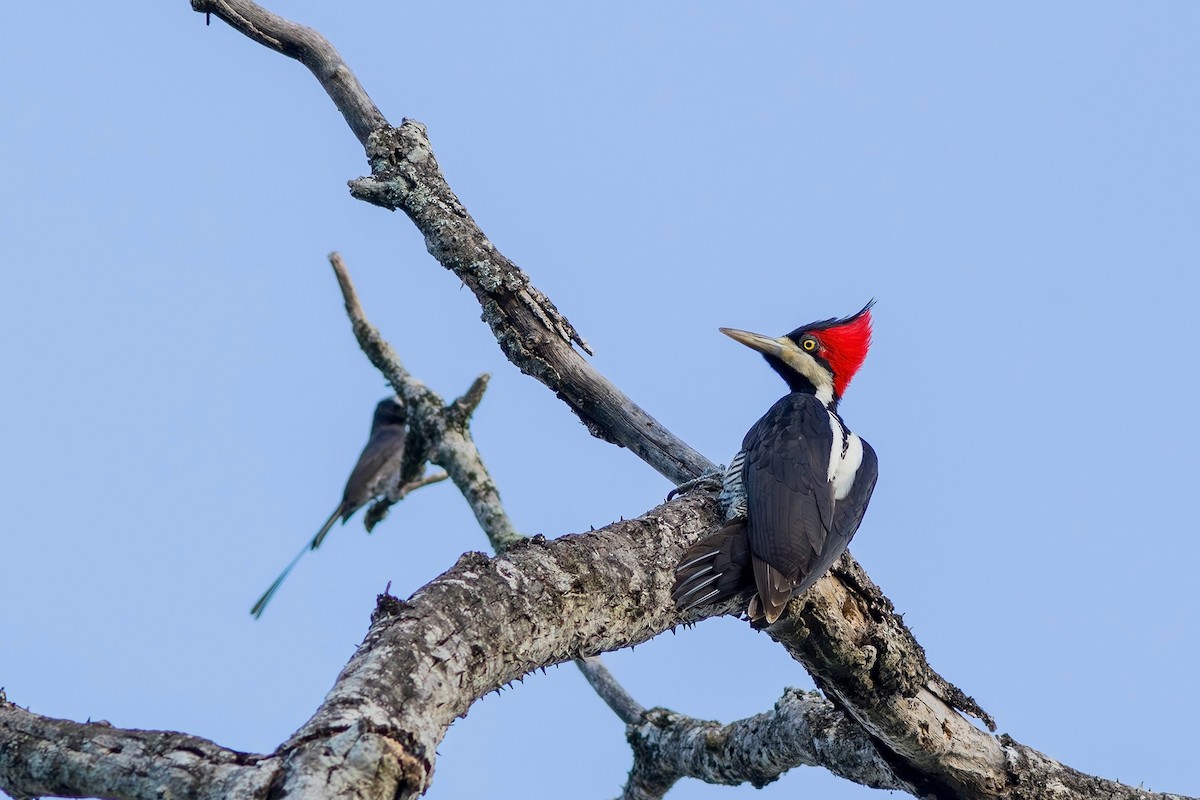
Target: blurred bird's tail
(257, 610)
(320, 537)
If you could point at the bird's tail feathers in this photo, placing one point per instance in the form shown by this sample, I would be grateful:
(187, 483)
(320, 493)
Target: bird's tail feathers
(257, 610)
(774, 592)
(714, 568)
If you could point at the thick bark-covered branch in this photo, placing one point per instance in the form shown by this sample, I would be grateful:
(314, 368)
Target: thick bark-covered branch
(861, 653)
(485, 623)
(458, 451)
(44, 756)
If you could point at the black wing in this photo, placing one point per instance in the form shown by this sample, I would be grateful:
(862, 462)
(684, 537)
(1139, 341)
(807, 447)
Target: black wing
(795, 529)
(847, 515)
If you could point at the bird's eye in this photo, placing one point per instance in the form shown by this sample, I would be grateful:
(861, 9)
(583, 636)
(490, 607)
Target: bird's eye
(809, 344)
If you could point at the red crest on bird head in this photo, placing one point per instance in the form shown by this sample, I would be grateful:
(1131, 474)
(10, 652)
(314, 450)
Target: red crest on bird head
(844, 344)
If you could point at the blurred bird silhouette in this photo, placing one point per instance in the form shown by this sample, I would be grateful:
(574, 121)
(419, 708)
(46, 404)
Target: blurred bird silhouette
(376, 475)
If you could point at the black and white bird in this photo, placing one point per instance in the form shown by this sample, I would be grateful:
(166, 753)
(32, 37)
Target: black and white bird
(377, 474)
(797, 490)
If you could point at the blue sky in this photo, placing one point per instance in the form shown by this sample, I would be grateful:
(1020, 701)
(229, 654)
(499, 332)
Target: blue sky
(1016, 184)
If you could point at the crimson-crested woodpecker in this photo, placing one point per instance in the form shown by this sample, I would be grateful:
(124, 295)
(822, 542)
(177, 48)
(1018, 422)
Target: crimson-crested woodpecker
(796, 492)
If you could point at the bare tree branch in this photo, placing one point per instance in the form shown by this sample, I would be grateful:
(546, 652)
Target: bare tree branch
(442, 433)
(474, 479)
(803, 729)
(465, 406)
(882, 678)
(424, 661)
(309, 48)
(44, 756)
(611, 691)
(530, 330)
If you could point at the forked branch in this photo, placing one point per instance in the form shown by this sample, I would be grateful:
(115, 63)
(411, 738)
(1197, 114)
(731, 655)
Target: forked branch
(442, 433)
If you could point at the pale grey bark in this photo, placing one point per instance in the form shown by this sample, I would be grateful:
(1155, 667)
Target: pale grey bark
(530, 330)
(424, 661)
(485, 622)
(802, 729)
(405, 176)
(45, 756)
(621, 702)
(445, 439)
(438, 432)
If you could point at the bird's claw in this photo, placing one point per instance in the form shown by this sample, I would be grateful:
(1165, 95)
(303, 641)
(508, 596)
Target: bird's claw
(710, 481)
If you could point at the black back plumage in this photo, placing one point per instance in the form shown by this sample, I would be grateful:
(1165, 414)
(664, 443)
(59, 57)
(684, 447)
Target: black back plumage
(795, 527)
(786, 464)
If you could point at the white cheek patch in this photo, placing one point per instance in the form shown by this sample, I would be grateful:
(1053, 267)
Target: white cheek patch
(803, 363)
